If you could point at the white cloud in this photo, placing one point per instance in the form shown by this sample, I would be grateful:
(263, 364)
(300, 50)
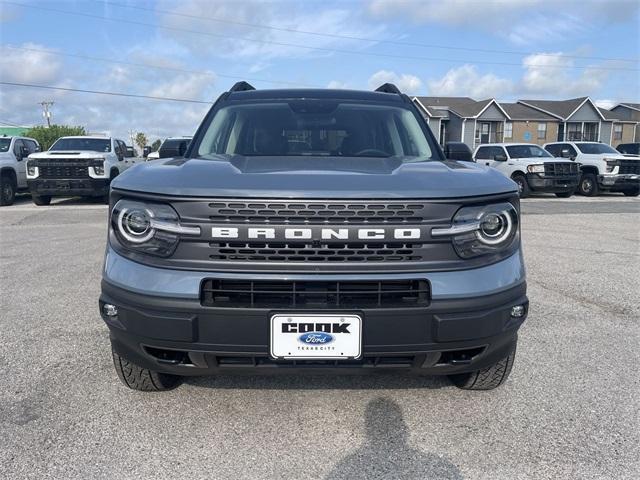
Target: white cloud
(465, 81)
(548, 74)
(26, 66)
(192, 86)
(249, 42)
(521, 21)
(336, 84)
(606, 103)
(409, 84)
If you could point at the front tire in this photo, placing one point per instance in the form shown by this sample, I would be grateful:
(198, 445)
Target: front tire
(7, 190)
(523, 186)
(142, 379)
(489, 377)
(588, 185)
(41, 200)
(631, 192)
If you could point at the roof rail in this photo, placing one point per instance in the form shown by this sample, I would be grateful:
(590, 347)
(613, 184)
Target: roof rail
(388, 88)
(241, 87)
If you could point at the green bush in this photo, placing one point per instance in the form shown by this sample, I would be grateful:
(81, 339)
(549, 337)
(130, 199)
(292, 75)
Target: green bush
(46, 136)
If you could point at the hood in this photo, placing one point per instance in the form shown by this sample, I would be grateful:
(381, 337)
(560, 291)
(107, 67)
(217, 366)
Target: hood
(312, 177)
(68, 154)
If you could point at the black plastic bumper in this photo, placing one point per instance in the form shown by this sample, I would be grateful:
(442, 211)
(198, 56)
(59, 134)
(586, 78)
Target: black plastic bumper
(553, 184)
(63, 187)
(619, 183)
(180, 336)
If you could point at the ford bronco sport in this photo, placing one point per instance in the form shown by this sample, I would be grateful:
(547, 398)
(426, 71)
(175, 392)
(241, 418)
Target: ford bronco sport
(313, 231)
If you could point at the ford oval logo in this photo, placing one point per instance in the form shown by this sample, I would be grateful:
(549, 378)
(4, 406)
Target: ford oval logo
(316, 338)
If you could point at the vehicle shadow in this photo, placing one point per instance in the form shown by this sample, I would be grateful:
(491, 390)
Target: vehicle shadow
(308, 381)
(385, 453)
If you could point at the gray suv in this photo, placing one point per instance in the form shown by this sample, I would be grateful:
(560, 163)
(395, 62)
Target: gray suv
(313, 231)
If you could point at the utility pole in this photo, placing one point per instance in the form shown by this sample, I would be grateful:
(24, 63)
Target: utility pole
(45, 111)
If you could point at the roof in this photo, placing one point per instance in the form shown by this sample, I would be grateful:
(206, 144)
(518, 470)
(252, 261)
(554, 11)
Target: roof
(324, 93)
(634, 106)
(462, 106)
(507, 144)
(608, 114)
(563, 109)
(517, 111)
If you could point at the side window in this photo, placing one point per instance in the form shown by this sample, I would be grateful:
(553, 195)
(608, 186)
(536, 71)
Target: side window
(498, 151)
(31, 145)
(484, 153)
(566, 146)
(17, 145)
(555, 150)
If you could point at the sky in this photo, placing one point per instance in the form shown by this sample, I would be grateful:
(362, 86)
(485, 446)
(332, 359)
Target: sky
(195, 50)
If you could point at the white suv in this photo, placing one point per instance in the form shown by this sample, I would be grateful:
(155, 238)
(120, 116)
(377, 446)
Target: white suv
(76, 166)
(602, 167)
(531, 167)
(13, 154)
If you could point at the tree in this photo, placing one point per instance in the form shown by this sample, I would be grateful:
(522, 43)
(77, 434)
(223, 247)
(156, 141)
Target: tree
(156, 145)
(46, 136)
(141, 140)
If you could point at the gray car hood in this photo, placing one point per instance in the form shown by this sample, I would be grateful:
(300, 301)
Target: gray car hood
(312, 177)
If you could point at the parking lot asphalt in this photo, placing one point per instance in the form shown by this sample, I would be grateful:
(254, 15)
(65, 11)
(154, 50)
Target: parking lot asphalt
(571, 408)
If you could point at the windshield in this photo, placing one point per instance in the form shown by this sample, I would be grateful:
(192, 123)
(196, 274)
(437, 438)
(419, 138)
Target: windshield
(93, 144)
(527, 151)
(316, 128)
(5, 143)
(595, 148)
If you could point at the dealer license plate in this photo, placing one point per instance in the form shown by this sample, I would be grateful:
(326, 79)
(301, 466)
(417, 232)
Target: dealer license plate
(316, 336)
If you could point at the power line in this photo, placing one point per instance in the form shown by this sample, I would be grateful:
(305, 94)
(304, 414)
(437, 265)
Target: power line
(160, 67)
(358, 38)
(322, 49)
(101, 92)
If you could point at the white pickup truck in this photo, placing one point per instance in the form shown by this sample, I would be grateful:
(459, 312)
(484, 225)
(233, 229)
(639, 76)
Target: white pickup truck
(76, 166)
(602, 167)
(531, 167)
(13, 154)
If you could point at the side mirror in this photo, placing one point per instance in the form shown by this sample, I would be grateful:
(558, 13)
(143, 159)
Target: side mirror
(500, 157)
(24, 153)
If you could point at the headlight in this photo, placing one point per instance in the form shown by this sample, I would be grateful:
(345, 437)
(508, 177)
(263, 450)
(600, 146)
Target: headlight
(32, 170)
(480, 230)
(152, 228)
(99, 169)
(611, 164)
(535, 169)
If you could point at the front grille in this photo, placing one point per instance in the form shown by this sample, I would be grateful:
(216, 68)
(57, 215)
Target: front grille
(629, 167)
(300, 213)
(315, 294)
(560, 169)
(63, 171)
(310, 252)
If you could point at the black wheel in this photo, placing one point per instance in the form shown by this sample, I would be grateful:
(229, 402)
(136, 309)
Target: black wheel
(7, 190)
(488, 378)
(143, 379)
(523, 186)
(564, 194)
(588, 185)
(41, 199)
(631, 192)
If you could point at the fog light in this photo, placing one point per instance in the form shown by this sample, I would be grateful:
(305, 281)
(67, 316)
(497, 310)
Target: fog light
(110, 310)
(517, 311)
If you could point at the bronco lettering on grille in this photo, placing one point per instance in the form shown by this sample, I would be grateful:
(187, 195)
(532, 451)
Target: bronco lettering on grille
(256, 233)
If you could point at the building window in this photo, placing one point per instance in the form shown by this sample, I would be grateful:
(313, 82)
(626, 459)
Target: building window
(542, 131)
(617, 131)
(508, 130)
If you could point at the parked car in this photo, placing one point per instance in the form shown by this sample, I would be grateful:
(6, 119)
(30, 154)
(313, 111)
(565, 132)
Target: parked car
(366, 251)
(13, 175)
(531, 167)
(458, 151)
(174, 147)
(602, 167)
(76, 166)
(131, 153)
(629, 149)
